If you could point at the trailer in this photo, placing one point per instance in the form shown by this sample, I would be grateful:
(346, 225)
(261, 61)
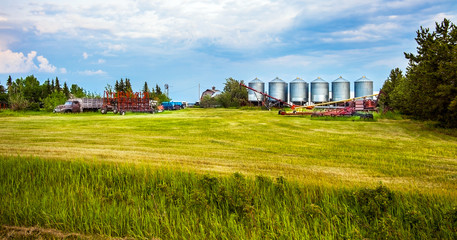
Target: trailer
(122, 102)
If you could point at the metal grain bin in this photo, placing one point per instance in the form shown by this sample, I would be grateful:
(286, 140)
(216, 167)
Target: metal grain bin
(319, 90)
(340, 89)
(278, 89)
(363, 87)
(298, 91)
(259, 86)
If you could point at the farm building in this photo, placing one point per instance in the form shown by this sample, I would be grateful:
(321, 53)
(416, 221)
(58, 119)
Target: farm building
(210, 92)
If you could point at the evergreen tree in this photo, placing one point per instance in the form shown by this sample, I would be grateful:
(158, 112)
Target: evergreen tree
(46, 89)
(116, 86)
(57, 86)
(121, 86)
(65, 90)
(431, 75)
(53, 86)
(128, 86)
(158, 90)
(9, 82)
(2, 89)
(388, 99)
(145, 87)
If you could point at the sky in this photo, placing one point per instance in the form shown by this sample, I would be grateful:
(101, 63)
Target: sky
(192, 45)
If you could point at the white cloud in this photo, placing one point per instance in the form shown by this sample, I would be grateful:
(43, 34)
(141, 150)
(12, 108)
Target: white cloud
(63, 70)
(17, 62)
(85, 55)
(44, 65)
(13, 62)
(229, 23)
(90, 72)
(101, 61)
(366, 33)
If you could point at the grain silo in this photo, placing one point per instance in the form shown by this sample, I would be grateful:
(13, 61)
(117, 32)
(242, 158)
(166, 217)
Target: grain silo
(319, 90)
(255, 97)
(298, 91)
(278, 89)
(340, 89)
(363, 87)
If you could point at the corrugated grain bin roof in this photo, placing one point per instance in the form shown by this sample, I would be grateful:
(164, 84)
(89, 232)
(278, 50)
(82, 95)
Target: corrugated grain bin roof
(277, 80)
(319, 79)
(340, 79)
(298, 80)
(363, 79)
(255, 80)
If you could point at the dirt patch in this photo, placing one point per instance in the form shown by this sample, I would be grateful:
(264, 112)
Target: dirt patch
(13, 232)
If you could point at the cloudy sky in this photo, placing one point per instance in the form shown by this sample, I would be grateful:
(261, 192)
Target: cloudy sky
(184, 43)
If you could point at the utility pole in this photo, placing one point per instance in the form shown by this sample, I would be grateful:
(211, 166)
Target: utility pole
(199, 92)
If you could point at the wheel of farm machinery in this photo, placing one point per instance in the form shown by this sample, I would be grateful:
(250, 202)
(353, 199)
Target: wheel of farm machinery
(103, 110)
(115, 111)
(122, 112)
(280, 112)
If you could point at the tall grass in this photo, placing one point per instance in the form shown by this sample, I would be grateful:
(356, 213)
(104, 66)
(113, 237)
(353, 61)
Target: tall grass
(128, 200)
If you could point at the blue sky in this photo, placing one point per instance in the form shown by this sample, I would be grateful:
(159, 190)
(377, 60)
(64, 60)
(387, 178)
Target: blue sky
(191, 42)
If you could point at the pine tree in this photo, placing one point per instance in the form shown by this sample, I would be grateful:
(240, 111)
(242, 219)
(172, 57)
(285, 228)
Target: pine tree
(121, 86)
(116, 86)
(158, 90)
(128, 86)
(431, 86)
(53, 86)
(65, 90)
(145, 87)
(9, 82)
(57, 86)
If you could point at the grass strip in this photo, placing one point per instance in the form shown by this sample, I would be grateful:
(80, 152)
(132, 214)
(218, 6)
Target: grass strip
(128, 200)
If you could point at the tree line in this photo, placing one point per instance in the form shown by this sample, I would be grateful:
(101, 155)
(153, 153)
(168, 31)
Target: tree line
(28, 94)
(428, 90)
(124, 85)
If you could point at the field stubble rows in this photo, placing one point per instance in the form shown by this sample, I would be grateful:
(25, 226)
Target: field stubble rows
(403, 154)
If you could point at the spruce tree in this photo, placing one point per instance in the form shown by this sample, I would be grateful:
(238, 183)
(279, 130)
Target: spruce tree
(57, 86)
(65, 90)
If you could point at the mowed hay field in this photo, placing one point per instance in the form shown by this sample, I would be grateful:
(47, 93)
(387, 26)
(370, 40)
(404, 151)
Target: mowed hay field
(227, 174)
(399, 153)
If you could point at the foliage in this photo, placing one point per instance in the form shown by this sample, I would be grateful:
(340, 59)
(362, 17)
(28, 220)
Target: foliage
(210, 102)
(233, 95)
(57, 87)
(17, 101)
(53, 100)
(127, 200)
(65, 90)
(430, 87)
(77, 91)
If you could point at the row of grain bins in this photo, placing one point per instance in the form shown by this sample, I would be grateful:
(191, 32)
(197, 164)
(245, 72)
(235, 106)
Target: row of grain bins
(299, 93)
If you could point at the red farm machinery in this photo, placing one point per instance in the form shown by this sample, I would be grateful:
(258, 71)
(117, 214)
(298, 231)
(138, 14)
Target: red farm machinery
(122, 102)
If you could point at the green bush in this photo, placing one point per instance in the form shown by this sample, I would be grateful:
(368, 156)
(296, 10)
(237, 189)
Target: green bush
(53, 100)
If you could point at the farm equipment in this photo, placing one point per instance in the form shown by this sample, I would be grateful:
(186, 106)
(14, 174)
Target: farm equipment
(80, 105)
(267, 102)
(122, 102)
(359, 106)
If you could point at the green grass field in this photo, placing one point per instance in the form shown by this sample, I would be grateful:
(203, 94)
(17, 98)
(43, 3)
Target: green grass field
(97, 169)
